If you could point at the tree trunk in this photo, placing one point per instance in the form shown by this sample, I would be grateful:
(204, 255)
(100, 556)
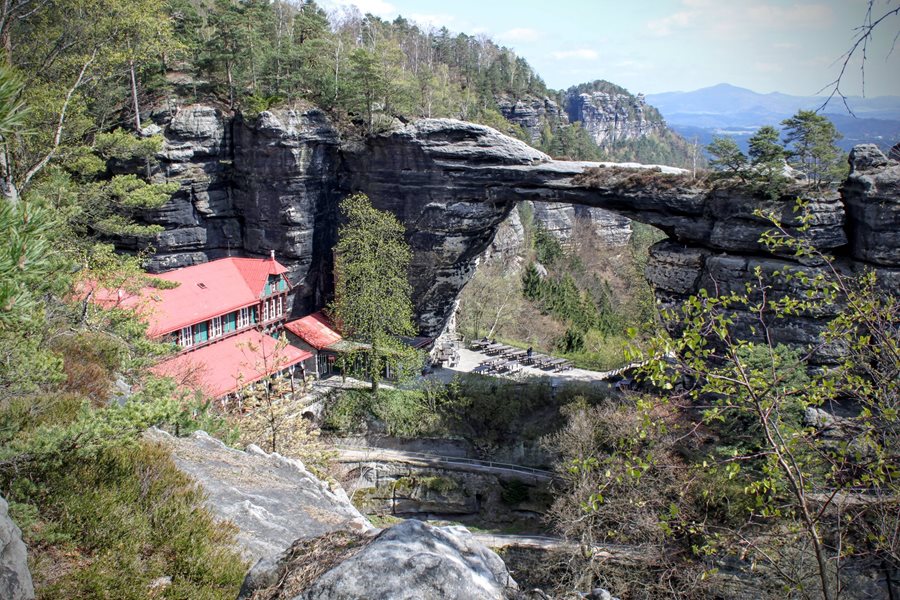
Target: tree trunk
(230, 85)
(374, 371)
(134, 97)
(8, 188)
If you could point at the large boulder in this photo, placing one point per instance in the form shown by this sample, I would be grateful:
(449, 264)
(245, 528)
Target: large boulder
(409, 561)
(271, 499)
(15, 578)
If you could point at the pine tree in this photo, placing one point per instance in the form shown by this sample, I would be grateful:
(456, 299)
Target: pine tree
(726, 158)
(813, 149)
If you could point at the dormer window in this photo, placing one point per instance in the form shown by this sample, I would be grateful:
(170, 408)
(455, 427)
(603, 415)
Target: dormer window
(275, 284)
(186, 337)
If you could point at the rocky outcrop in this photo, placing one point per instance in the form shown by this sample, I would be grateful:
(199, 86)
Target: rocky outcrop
(452, 183)
(613, 116)
(872, 196)
(273, 183)
(677, 271)
(271, 499)
(200, 219)
(15, 578)
(285, 175)
(564, 220)
(409, 561)
(532, 114)
(249, 187)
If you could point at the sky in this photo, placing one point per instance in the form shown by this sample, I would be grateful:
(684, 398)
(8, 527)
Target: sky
(654, 46)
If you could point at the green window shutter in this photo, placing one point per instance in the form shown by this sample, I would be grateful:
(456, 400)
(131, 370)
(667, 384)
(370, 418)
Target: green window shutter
(253, 314)
(282, 284)
(230, 322)
(200, 333)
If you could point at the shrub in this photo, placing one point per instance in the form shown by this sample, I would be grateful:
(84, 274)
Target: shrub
(123, 521)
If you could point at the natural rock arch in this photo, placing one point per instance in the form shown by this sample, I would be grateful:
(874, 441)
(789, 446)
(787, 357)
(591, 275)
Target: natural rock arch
(274, 184)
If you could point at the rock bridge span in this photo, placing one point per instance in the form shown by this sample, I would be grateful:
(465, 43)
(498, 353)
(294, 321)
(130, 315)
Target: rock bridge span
(274, 182)
(452, 183)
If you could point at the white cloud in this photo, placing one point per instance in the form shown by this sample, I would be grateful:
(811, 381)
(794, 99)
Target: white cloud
(520, 34)
(580, 54)
(665, 26)
(726, 19)
(434, 20)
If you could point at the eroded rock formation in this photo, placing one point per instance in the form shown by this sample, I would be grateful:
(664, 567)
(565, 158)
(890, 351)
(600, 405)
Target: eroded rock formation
(409, 561)
(271, 499)
(15, 578)
(611, 117)
(274, 184)
(532, 114)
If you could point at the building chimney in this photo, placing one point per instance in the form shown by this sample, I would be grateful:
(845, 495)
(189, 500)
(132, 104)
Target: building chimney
(272, 254)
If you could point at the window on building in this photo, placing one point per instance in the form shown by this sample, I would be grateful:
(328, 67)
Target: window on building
(244, 318)
(215, 327)
(280, 310)
(265, 310)
(186, 337)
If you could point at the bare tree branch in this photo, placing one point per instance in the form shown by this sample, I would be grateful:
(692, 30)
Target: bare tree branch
(860, 47)
(57, 138)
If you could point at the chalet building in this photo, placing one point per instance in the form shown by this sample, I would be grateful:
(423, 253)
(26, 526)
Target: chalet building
(222, 315)
(315, 333)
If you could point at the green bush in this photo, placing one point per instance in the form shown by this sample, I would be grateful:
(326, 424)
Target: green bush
(130, 517)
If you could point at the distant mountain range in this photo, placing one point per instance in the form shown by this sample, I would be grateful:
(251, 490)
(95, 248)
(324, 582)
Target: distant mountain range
(738, 112)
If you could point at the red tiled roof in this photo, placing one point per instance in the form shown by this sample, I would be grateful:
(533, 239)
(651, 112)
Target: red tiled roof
(230, 364)
(206, 290)
(315, 329)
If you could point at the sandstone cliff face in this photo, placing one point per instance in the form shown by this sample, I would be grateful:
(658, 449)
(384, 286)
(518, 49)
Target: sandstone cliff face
(611, 117)
(274, 184)
(532, 114)
(866, 214)
(249, 187)
(271, 499)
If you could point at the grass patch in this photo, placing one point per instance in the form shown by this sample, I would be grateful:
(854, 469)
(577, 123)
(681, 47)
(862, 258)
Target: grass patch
(644, 179)
(121, 522)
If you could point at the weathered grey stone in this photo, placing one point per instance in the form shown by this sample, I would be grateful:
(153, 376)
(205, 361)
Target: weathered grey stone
(271, 499)
(674, 268)
(677, 272)
(612, 117)
(416, 561)
(15, 578)
(872, 197)
(275, 184)
(532, 113)
(286, 173)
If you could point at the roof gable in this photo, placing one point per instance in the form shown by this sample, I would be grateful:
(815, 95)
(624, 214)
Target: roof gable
(205, 291)
(315, 329)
